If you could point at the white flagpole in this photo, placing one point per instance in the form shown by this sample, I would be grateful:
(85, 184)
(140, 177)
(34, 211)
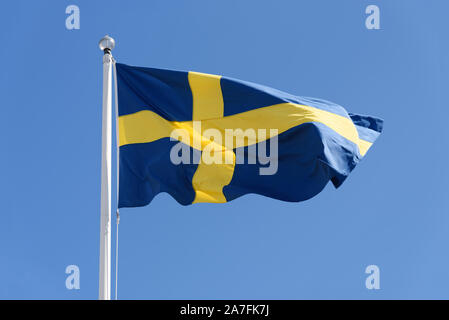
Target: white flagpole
(106, 44)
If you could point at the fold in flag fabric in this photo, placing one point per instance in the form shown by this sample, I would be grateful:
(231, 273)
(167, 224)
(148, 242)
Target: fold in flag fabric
(169, 120)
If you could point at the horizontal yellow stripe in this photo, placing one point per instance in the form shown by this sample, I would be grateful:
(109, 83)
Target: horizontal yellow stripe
(143, 126)
(364, 146)
(146, 126)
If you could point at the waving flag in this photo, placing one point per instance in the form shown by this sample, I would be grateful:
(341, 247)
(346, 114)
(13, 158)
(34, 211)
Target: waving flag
(174, 128)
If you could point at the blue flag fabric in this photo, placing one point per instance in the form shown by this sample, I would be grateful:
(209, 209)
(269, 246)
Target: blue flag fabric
(174, 128)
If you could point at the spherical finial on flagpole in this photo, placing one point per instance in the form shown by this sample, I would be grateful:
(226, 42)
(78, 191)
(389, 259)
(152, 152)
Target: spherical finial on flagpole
(106, 44)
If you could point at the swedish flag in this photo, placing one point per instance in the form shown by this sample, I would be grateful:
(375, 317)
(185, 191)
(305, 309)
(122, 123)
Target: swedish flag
(311, 141)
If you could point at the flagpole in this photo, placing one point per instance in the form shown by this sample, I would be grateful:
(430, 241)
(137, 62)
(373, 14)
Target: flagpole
(106, 45)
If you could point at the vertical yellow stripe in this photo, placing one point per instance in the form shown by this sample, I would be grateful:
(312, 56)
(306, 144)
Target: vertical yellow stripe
(207, 97)
(209, 179)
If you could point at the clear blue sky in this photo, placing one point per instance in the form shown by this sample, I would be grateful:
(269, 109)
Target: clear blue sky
(392, 211)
